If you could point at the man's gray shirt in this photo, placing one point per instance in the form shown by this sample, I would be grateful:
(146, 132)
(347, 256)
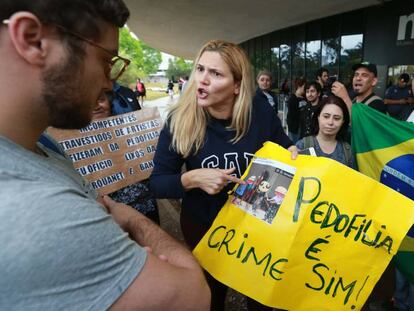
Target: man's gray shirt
(59, 249)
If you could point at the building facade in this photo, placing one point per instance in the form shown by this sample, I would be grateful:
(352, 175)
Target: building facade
(381, 34)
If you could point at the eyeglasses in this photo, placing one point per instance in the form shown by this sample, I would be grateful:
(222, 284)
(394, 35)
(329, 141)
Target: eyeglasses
(117, 64)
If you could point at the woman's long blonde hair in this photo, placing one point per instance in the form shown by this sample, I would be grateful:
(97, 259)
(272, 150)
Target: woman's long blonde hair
(188, 121)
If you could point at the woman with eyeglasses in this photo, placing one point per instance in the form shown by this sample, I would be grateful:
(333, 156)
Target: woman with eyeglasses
(214, 130)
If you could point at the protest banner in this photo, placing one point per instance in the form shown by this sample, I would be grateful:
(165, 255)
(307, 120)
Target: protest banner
(305, 234)
(114, 152)
(388, 158)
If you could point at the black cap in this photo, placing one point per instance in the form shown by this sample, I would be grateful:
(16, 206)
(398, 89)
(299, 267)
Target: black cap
(405, 77)
(371, 67)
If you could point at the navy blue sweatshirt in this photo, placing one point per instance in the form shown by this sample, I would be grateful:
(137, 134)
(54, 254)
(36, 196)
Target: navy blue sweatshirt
(217, 152)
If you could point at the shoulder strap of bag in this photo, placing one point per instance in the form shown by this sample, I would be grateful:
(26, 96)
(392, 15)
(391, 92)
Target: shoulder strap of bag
(371, 99)
(347, 152)
(308, 142)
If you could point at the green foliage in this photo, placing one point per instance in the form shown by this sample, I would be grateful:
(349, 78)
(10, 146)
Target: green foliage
(152, 58)
(178, 67)
(144, 59)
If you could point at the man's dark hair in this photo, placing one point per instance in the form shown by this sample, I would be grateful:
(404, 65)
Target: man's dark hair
(335, 100)
(79, 16)
(315, 84)
(405, 77)
(298, 82)
(321, 71)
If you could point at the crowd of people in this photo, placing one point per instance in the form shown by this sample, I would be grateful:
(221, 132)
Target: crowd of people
(63, 246)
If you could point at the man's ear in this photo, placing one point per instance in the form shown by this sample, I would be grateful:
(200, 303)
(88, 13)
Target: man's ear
(27, 35)
(374, 81)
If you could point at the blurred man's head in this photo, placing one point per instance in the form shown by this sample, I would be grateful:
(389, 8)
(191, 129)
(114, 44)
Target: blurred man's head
(71, 46)
(313, 92)
(322, 76)
(81, 17)
(365, 78)
(264, 80)
(403, 80)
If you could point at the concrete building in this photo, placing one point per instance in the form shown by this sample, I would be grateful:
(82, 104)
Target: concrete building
(290, 38)
(159, 77)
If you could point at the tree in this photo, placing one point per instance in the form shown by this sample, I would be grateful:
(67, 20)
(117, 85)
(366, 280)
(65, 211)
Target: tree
(178, 67)
(152, 58)
(144, 59)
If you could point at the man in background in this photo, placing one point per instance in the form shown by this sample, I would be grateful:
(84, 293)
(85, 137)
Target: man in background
(364, 81)
(399, 98)
(123, 100)
(322, 77)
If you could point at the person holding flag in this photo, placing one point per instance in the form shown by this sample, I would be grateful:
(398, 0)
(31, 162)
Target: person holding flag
(364, 81)
(389, 159)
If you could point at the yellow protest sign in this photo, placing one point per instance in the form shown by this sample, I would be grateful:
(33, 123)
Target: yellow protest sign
(305, 234)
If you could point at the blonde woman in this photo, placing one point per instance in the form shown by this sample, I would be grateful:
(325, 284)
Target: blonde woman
(214, 130)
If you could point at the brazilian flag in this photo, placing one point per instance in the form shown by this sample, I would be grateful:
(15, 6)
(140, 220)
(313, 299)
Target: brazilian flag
(384, 149)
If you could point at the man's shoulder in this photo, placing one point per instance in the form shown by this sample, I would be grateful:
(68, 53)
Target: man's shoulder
(305, 106)
(375, 98)
(16, 161)
(126, 91)
(48, 197)
(392, 88)
(371, 98)
(261, 108)
(393, 92)
(259, 95)
(24, 169)
(376, 102)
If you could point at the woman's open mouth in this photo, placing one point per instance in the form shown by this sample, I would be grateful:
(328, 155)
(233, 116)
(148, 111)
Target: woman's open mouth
(202, 93)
